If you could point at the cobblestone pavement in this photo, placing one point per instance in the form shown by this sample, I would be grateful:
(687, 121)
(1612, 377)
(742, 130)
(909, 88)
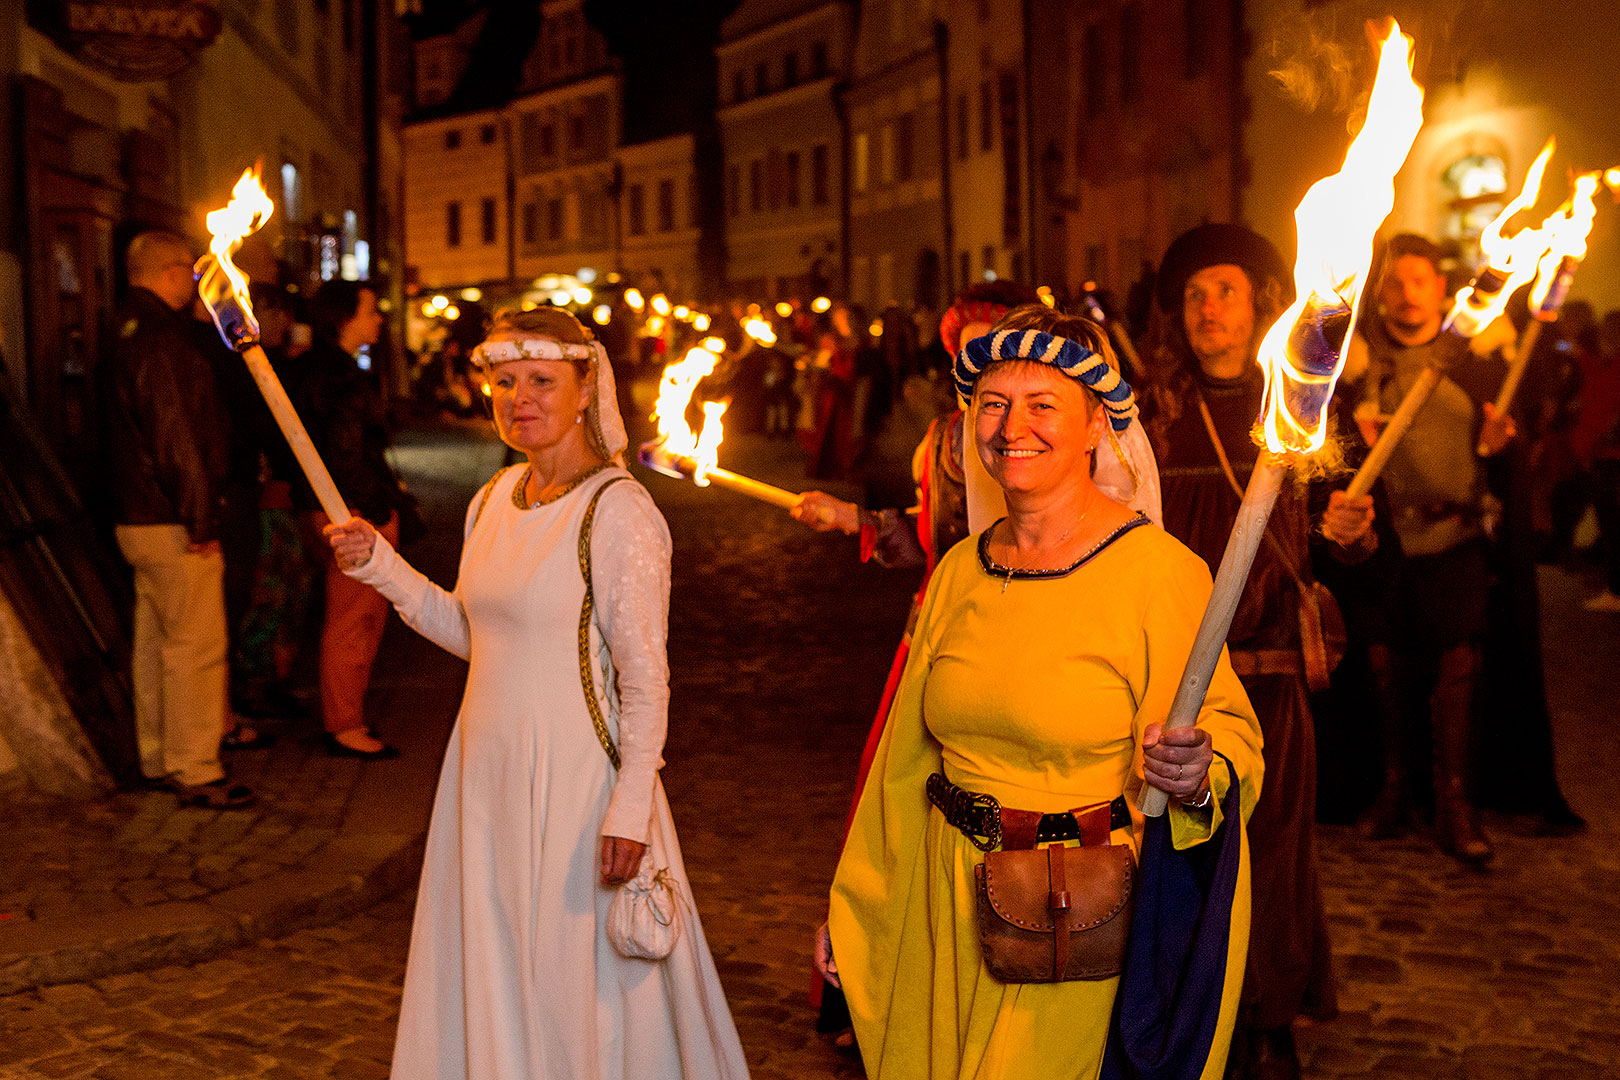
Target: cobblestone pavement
(780, 642)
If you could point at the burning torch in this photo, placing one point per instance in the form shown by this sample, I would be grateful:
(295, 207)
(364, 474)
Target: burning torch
(1302, 354)
(678, 453)
(1510, 263)
(224, 290)
(1555, 272)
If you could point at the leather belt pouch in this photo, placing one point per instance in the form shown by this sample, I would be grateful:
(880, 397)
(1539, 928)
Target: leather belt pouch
(1055, 914)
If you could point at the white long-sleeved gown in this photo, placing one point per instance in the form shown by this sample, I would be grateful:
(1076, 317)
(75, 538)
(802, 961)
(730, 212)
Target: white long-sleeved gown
(510, 974)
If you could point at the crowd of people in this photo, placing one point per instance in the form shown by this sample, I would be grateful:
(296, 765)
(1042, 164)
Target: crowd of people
(1002, 907)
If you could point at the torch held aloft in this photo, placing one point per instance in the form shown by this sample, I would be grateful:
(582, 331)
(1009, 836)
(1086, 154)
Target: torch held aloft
(1394, 431)
(1247, 531)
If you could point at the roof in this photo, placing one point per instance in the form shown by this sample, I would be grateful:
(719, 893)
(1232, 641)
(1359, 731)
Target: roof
(754, 15)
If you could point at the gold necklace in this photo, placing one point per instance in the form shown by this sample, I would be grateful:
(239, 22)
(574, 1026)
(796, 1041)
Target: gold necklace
(1075, 524)
(520, 492)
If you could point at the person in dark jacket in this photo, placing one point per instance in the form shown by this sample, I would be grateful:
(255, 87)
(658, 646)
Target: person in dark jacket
(343, 412)
(168, 460)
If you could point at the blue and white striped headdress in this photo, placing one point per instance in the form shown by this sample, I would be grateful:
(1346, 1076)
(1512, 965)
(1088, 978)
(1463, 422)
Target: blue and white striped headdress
(1069, 357)
(1124, 470)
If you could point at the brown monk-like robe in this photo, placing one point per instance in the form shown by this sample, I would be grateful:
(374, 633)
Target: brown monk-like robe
(1290, 957)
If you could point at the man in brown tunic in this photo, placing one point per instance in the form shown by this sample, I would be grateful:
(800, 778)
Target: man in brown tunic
(1219, 290)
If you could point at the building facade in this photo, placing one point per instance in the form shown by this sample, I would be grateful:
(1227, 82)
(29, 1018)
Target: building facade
(897, 210)
(658, 215)
(781, 66)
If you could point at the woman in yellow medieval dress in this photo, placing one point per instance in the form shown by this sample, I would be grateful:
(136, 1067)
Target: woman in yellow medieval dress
(1045, 656)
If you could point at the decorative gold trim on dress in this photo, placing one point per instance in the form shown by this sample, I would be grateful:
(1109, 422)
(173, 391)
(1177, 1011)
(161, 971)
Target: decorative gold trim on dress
(520, 491)
(586, 680)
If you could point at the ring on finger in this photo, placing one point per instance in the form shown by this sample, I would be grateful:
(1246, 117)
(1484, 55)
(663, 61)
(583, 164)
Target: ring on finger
(1178, 772)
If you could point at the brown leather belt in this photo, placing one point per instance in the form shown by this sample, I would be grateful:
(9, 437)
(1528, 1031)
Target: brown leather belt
(1266, 661)
(984, 821)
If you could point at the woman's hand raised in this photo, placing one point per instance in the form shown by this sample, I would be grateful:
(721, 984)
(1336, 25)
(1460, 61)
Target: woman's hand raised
(352, 542)
(1177, 761)
(620, 860)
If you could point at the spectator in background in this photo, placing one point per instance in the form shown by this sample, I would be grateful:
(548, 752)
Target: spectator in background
(834, 363)
(344, 414)
(168, 466)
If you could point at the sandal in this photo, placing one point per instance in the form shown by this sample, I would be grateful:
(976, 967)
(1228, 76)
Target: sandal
(220, 794)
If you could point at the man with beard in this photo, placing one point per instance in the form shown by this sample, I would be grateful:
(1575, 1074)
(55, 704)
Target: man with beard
(1220, 288)
(1436, 482)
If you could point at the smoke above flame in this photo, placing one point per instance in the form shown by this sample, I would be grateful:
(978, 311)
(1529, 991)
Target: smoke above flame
(1303, 353)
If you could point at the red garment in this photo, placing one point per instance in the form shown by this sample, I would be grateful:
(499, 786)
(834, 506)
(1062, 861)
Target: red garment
(356, 615)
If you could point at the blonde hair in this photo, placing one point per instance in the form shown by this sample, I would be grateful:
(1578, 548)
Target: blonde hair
(545, 322)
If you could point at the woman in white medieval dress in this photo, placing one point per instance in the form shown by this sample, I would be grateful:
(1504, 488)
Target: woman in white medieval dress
(511, 974)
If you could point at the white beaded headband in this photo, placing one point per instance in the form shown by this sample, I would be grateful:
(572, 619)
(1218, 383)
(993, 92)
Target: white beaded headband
(534, 348)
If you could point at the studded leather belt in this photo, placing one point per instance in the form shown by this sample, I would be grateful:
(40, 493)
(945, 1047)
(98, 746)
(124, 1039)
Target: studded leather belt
(984, 821)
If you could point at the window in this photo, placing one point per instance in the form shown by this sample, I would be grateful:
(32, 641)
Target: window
(1093, 71)
(989, 262)
(636, 211)
(790, 69)
(531, 222)
(987, 117)
(965, 269)
(774, 174)
(554, 219)
(739, 86)
(961, 127)
(1476, 190)
(756, 185)
(762, 79)
(904, 158)
(886, 154)
(863, 153)
(818, 60)
(452, 225)
(452, 139)
(1130, 52)
(1195, 24)
(818, 175)
(486, 220)
(666, 206)
(576, 132)
(791, 167)
(529, 141)
(548, 141)
(486, 134)
(733, 190)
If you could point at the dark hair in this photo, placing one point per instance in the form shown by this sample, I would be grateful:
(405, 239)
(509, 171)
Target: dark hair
(1168, 360)
(1403, 244)
(336, 302)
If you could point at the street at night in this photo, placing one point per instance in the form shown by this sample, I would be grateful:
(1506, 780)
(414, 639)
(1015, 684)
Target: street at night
(779, 643)
(1132, 489)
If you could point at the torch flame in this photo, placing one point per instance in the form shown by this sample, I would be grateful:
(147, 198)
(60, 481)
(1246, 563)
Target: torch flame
(707, 453)
(220, 282)
(1566, 230)
(1303, 352)
(1511, 260)
(675, 435)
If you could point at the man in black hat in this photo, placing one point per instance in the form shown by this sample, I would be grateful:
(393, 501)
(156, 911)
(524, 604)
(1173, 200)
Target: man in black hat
(1220, 288)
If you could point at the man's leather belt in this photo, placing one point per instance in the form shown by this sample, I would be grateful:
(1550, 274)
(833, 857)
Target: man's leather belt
(984, 821)
(1267, 661)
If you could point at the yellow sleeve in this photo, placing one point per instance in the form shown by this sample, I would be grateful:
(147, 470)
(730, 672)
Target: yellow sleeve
(1178, 590)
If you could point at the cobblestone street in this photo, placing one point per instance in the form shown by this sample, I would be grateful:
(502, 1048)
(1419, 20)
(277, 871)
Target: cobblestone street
(780, 641)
